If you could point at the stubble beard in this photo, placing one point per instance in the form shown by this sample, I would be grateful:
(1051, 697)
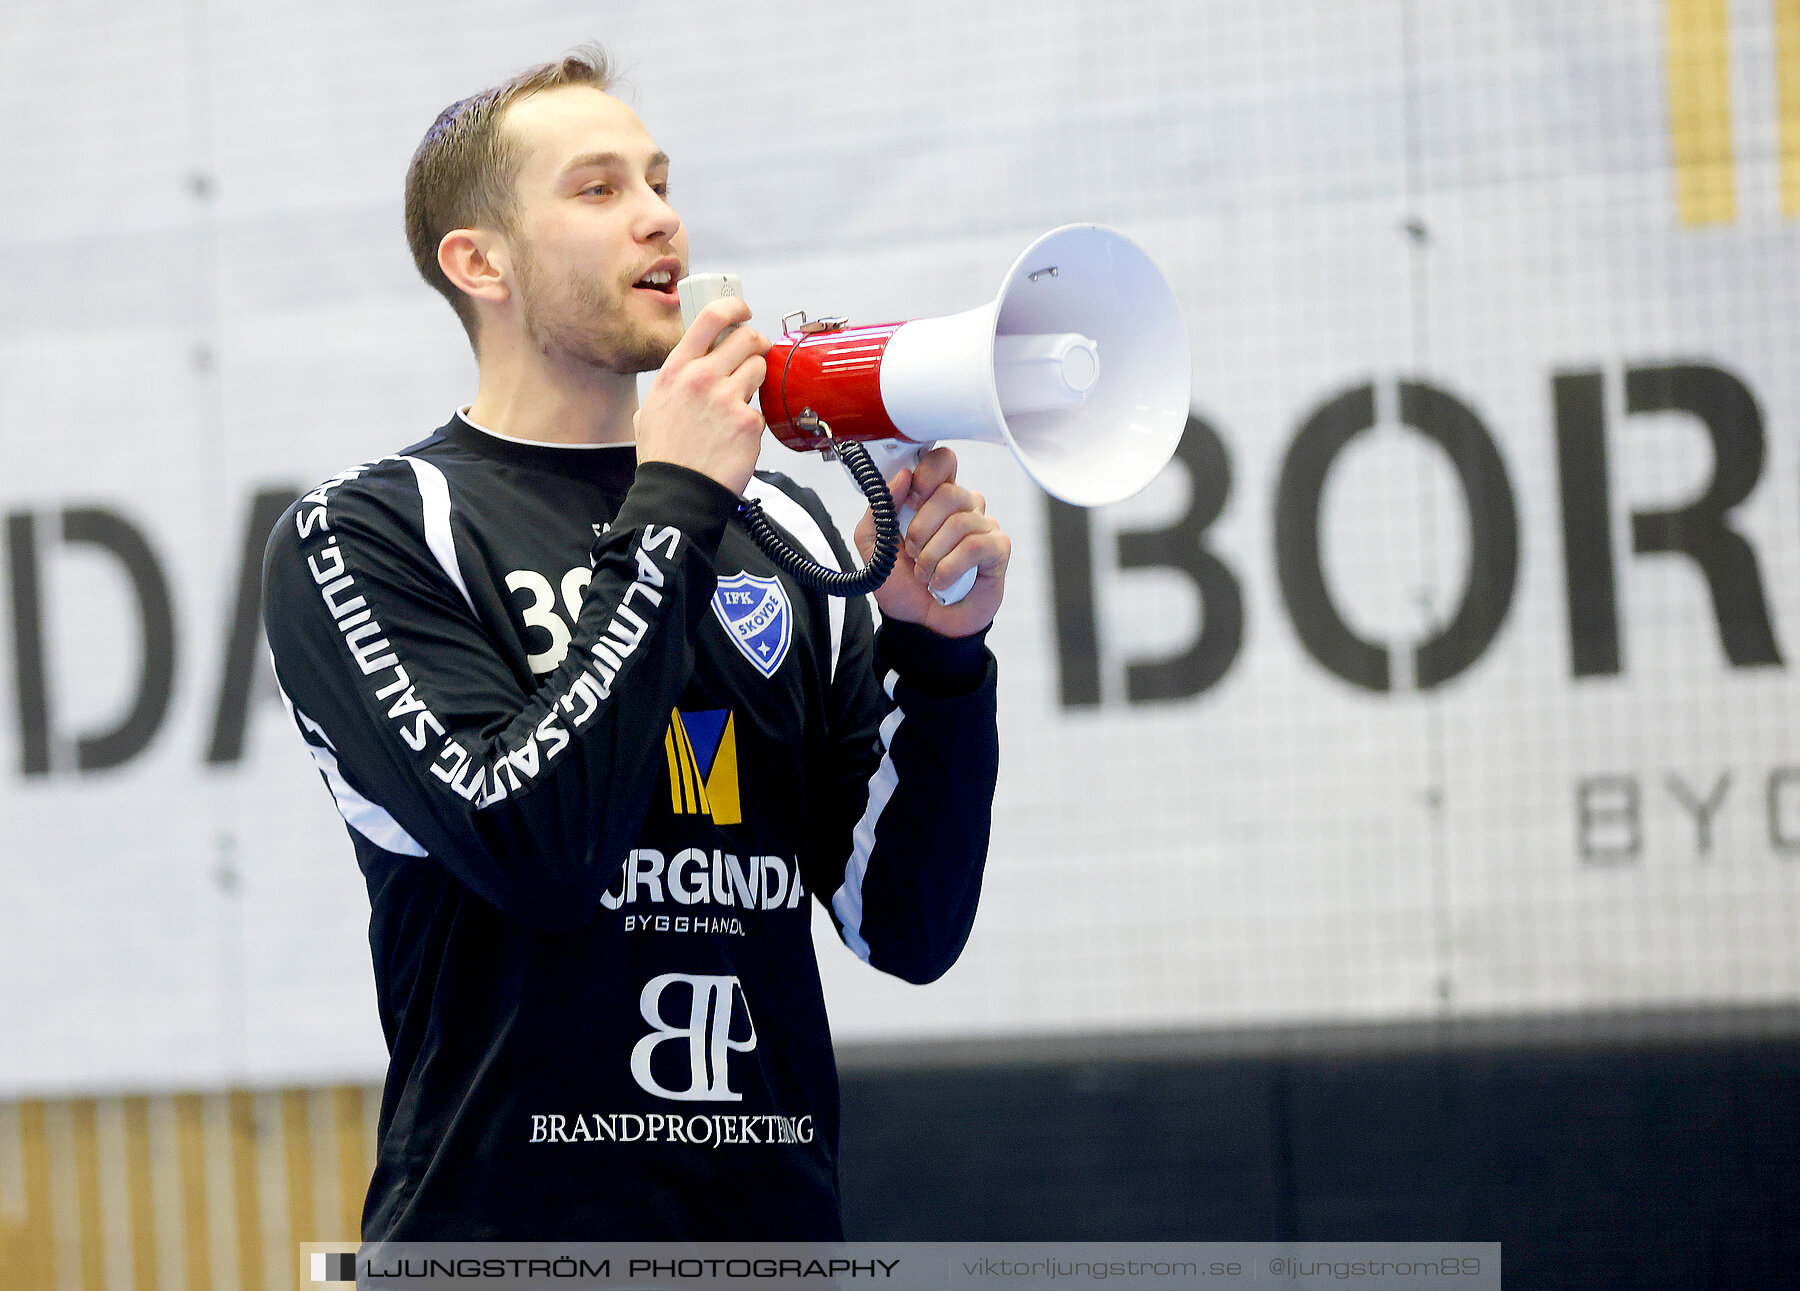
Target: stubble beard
(583, 319)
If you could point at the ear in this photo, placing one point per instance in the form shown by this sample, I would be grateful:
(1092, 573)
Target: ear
(476, 262)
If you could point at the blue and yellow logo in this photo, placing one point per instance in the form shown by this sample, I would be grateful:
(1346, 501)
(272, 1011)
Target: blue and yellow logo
(703, 765)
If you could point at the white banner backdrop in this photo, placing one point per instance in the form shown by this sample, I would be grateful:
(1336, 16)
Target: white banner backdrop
(1447, 675)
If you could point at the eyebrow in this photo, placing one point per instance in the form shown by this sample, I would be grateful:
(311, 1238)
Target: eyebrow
(602, 160)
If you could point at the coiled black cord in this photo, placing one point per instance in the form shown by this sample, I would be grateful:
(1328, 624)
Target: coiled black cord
(808, 572)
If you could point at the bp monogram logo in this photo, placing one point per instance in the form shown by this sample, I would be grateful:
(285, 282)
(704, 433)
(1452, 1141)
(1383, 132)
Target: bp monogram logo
(756, 616)
(711, 1003)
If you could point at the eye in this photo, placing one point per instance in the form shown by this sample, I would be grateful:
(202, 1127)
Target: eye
(596, 190)
(662, 189)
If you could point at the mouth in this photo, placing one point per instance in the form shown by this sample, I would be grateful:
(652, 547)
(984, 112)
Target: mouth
(660, 278)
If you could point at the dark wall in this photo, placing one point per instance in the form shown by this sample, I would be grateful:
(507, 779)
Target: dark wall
(1660, 1161)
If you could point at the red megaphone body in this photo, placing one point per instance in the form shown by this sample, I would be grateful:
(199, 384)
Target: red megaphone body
(833, 372)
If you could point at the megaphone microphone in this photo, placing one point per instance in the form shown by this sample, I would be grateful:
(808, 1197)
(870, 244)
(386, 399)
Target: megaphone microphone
(1080, 365)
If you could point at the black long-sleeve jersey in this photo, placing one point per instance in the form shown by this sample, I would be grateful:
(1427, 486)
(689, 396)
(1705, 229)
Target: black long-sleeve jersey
(596, 755)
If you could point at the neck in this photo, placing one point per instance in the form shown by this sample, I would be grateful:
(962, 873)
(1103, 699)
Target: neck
(527, 395)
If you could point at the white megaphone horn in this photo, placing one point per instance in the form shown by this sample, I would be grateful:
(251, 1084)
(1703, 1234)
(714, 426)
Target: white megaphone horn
(1080, 365)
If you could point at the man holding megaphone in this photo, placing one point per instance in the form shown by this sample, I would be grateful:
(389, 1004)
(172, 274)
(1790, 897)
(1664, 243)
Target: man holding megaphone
(596, 753)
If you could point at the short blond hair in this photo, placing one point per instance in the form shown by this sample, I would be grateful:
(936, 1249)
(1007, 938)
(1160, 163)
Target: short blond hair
(461, 175)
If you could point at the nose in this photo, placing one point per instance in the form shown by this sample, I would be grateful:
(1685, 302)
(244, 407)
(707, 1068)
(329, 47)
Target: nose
(656, 220)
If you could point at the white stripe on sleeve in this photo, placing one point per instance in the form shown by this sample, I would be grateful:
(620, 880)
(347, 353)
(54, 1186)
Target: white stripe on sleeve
(847, 901)
(434, 492)
(369, 819)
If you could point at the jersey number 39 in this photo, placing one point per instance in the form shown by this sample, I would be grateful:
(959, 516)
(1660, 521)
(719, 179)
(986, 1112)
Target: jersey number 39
(543, 612)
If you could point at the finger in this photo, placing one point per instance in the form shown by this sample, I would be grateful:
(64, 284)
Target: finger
(934, 469)
(735, 350)
(748, 378)
(708, 323)
(957, 528)
(987, 553)
(864, 534)
(737, 361)
(946, 500)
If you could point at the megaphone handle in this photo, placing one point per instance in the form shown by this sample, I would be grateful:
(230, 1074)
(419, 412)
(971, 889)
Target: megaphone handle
(698, 290)
(893, 459)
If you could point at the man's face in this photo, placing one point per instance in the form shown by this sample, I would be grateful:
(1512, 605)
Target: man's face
(596, 245)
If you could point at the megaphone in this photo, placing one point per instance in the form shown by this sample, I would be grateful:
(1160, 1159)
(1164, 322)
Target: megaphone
(1080, 365)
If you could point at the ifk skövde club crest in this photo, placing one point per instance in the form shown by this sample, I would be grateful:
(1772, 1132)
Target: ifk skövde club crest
(757, 617)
